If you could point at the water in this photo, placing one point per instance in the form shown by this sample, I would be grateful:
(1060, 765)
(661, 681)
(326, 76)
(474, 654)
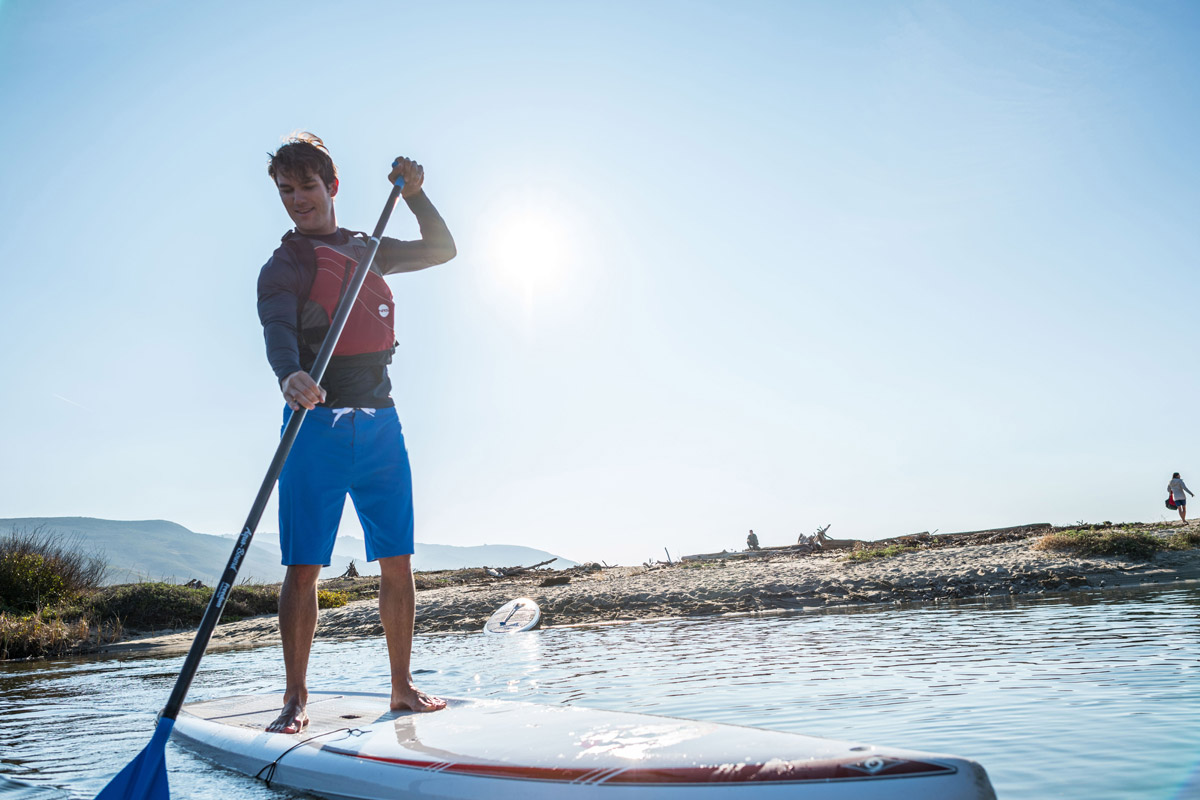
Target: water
(1093, 696)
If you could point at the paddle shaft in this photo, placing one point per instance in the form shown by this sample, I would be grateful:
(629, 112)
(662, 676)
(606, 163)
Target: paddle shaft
(217, 604)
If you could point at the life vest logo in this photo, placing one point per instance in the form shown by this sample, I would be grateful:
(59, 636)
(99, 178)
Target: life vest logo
(383, 309)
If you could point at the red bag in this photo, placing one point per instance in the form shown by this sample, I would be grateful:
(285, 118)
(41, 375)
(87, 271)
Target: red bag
(1171, 501)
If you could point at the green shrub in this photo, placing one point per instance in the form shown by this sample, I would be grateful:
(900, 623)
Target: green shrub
(28, 582)
(250, 600)
(1107, 542)
(327, 598)
(39, 569)
(1184, 540)
(367, 587)
(871, 553)
(152, 606)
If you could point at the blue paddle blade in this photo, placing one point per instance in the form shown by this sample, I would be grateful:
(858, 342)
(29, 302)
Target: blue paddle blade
(144, 778)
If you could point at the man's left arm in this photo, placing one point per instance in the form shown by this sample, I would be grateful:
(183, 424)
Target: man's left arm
(436, 245)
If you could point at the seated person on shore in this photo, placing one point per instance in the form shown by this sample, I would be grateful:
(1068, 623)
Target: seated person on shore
(752, 541)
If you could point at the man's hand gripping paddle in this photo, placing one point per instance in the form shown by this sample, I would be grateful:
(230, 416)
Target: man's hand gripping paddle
(146, 776)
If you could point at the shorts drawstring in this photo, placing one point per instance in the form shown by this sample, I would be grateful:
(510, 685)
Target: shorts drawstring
(338, 413)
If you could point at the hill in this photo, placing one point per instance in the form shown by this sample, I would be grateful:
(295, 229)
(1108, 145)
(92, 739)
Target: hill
(429, 557)
(140, 550)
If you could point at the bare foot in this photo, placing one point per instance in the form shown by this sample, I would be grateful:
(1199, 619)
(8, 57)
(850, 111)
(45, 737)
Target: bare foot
(410, 698)
(293, 719)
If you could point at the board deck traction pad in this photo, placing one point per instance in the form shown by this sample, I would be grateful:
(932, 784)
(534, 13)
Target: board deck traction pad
(534, 744)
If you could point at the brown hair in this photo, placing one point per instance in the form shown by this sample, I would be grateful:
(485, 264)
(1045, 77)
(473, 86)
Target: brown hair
(303, 154)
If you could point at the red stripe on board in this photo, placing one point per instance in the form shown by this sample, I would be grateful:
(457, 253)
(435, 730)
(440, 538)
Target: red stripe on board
(778, 772)
(772, 772)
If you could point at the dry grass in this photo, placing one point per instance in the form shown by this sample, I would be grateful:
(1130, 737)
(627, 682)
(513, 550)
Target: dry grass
(38, 635)
(1141, 545)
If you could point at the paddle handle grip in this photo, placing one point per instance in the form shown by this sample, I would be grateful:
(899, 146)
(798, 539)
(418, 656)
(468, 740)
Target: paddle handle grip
(212, 614)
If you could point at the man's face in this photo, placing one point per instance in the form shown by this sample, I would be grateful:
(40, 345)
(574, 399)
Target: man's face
(309, 202)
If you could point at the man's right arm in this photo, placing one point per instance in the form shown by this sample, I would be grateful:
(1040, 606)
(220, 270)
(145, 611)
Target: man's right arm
(278, 297)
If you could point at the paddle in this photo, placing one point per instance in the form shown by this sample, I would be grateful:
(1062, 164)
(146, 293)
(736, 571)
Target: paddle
(146, 775)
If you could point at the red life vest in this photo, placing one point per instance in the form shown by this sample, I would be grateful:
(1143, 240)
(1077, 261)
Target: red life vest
(370, 335)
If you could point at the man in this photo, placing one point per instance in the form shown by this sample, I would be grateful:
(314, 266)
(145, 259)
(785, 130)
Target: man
(351, 441)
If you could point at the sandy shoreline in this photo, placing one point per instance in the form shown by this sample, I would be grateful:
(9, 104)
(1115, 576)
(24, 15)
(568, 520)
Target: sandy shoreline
(765, 583)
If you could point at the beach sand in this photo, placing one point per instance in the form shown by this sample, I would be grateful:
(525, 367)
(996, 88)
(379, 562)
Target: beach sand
(986, 564)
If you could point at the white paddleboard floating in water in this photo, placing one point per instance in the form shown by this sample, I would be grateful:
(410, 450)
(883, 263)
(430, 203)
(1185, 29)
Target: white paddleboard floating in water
(356, 749)
(514, 616)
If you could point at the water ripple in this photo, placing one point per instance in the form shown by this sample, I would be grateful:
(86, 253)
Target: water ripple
(1088, 696)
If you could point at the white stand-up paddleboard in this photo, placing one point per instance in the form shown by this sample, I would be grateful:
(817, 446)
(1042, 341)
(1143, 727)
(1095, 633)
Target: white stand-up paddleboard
(514, 616)
(356, 749)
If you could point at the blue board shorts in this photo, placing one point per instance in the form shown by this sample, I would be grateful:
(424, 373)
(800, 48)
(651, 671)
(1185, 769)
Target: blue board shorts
(340, 452)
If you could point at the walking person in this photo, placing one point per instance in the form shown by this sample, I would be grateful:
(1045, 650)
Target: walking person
(1177, 487)
(351, 442)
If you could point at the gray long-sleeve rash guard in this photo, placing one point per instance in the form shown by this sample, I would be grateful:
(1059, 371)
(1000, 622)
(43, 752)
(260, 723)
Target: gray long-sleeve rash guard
(283, 284)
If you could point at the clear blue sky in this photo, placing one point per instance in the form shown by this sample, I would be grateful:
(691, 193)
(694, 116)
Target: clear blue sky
(895, 266)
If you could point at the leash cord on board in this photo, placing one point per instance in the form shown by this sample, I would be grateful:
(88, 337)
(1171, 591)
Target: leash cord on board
(270, 768)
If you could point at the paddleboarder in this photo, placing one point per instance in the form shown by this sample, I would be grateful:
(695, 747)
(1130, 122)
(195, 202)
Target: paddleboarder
(351, 441)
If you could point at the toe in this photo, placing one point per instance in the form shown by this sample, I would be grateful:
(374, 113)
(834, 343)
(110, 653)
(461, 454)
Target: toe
(288, 723)
(419, 702)
(431, 703)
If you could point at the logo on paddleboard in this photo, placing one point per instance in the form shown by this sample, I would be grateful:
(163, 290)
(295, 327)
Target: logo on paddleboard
(874, 765)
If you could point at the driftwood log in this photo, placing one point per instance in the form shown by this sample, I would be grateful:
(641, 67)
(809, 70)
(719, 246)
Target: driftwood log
(825, 542)
(508, 572)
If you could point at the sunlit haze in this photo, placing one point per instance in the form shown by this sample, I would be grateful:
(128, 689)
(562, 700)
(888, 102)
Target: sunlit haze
(530, 250)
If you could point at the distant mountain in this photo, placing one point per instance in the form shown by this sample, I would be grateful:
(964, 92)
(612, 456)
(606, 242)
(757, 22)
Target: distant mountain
(152, 550)
(161, 550)
(431, 557)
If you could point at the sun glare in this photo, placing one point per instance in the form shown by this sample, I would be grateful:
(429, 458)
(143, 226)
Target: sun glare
(529, 250)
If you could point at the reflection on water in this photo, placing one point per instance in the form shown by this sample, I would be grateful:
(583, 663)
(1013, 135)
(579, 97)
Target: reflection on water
(1090, 696)
(14, 790)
